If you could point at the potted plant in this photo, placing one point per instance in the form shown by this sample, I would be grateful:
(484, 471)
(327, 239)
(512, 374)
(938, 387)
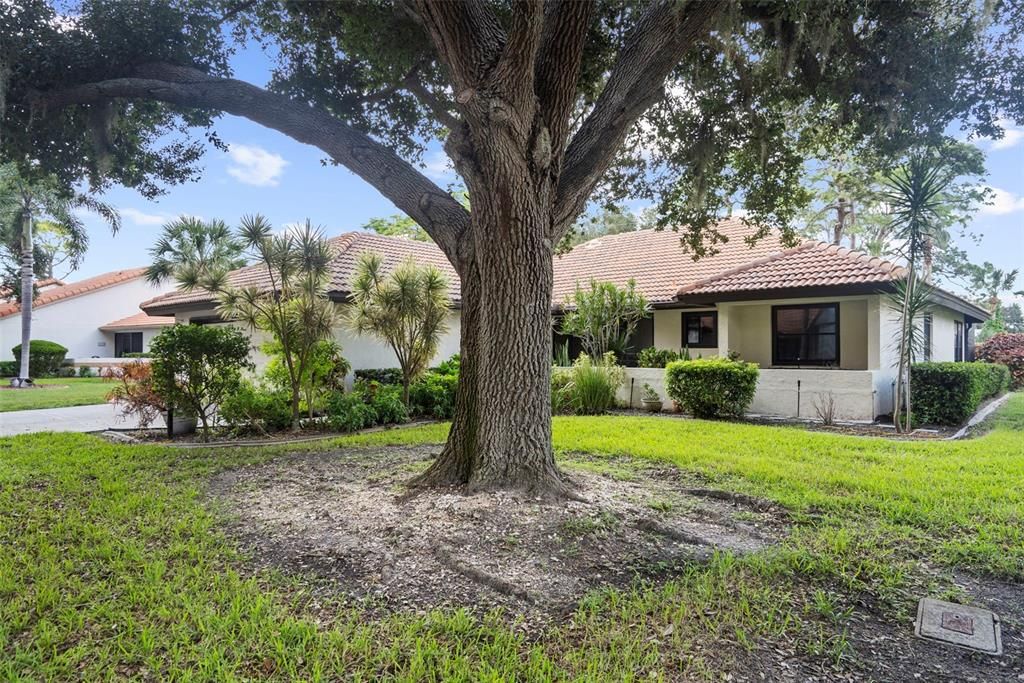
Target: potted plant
(650, 399)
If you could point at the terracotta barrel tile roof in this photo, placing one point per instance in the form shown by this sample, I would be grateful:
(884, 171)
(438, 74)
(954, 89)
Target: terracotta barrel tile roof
(347, 248)
(656, 260)
(138, 321)
(812, 264)
(54, 294)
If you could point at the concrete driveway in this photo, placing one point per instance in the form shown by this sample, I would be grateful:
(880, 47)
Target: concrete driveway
(77, 419)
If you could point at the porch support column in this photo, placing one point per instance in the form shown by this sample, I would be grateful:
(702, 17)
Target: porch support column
(874, 333)
(723, 330)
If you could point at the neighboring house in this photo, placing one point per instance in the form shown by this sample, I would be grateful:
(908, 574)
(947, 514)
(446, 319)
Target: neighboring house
(95, 318)
(199, 306)
(815, 317)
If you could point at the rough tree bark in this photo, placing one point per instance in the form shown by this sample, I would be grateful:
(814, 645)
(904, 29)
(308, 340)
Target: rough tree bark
(515, 88)
(27, 277)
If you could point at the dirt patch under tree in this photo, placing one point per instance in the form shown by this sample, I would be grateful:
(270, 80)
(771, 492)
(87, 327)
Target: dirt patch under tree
(346, 517)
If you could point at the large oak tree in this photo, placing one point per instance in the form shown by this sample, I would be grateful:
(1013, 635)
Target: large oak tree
(543, 108)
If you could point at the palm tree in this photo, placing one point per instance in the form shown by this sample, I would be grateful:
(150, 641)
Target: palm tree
(406, 308)
(294, 308)
(916, 194)
(22, 202)
(191, 250)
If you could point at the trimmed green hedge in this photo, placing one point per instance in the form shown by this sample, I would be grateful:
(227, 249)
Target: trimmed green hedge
(712, 387)
(380, 375)
(8, 368)
(45, 358)
(949, 393)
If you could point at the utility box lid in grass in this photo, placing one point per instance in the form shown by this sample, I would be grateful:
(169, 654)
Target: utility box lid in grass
(960, 625)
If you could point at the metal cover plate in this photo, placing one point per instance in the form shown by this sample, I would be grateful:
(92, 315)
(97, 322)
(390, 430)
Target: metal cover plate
(961, 625)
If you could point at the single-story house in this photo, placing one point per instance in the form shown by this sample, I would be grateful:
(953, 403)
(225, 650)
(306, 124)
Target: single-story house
(97, 319)
(815, 317)
(199, 306)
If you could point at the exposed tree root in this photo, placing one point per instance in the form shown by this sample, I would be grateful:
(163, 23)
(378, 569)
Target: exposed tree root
(446, 557)
(648, 524)
(759, 504)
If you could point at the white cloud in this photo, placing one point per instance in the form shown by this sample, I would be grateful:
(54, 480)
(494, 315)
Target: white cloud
(254, 165)
(143, 218)
(1003, 202)
(1012, 136)
(439, 167)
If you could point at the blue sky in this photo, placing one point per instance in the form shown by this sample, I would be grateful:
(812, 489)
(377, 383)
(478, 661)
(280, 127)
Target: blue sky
(266, 172)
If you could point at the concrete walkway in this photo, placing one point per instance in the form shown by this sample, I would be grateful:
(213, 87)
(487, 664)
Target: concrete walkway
(96, 418)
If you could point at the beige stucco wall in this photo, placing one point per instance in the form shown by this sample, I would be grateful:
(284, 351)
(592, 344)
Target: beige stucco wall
(668, 331)
(750, 329)
(778, 391)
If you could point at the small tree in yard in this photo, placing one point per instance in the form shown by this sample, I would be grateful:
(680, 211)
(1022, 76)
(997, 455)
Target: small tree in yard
(293, 307)
(916, 195)
(195, 366)
(406, 308)
(604, 317)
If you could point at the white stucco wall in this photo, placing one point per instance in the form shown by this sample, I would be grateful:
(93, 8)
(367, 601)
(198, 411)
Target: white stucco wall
(944, 334)
(361, 352)
(75, 322)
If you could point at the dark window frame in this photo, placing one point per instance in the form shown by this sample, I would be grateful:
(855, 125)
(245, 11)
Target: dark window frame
(959, 341)
(800, 363)
(702, 344)
(119, 353)
(928, 332)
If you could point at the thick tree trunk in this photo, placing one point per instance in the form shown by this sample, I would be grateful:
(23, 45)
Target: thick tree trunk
(27, 275)
(501, 432)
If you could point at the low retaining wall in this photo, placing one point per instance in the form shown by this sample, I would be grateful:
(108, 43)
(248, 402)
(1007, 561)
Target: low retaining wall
(785, 392)
(799, 392)
(633, 388)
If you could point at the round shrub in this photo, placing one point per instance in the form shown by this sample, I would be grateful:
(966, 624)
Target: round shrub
(45, 357)
(712, 387)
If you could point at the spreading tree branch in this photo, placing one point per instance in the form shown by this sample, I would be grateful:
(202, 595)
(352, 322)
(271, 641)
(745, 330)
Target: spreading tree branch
(435, 210)
(655, 45)
(558, 66)
(467, 36)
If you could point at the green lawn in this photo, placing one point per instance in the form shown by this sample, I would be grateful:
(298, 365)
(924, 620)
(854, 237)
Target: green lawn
(114, 566)
(59, 393)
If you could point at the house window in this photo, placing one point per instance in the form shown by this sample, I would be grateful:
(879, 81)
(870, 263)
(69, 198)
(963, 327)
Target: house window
(958, 341)
(127, 342)
(805, 335)
(700, 330)
(927, 351)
